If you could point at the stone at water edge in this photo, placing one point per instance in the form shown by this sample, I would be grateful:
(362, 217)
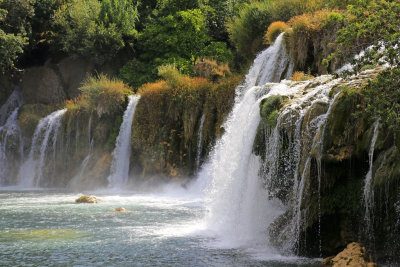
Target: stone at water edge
(120, 209)
(87, 199)
(353, 255)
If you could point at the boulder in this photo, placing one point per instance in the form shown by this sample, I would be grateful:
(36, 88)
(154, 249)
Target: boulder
(42, 85)
(87, 199)
(353, 255)
(120, 209)
(73, 71)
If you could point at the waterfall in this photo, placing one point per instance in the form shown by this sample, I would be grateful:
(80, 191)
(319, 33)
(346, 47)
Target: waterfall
(234, 185)
(368, 191)
(77, 179)
(271, 65)
(121, 154)
(31, 171)
(200, 141)
(15, 100)
(9, 129)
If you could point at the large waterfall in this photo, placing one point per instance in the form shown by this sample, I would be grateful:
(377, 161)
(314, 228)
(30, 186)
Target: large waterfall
(239, 208)
(121, 155)
(44, 143)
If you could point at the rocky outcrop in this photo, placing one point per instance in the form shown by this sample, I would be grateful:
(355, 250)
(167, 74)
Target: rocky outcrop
(72, 72)
(42, 85)
(354, 255)
(87, 199)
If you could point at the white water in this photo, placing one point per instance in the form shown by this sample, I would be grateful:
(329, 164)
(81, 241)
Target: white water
(122, 152)
(75, 182)
(10, 129)
(14, 101)
(368, 192)
(200, 141)
(46, 132)
(238, 205)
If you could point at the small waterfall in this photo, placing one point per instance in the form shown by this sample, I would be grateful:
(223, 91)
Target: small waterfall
(31, 170)
(14, 101)
(121, 155)
(200, 141)
(77, 179)
(9, 129)
(368, 191)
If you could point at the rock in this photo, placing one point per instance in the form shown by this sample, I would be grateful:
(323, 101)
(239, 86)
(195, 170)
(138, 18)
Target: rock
(120, 209)
(42, 85)
(73, 72)
(353, 255)
(87, 199)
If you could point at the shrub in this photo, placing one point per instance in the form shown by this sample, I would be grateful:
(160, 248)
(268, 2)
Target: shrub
(93, 29)
(218, 51)
(247, 28)
(300, 76)
(210, 69)
(274, 30)
(102, 94)
(171, 75)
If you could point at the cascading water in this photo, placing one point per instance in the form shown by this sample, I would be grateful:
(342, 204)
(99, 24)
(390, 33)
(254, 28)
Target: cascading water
(232, 173)
(77, 179)
(14, 101)
(368, 192)
(121, 154)
(31, 170)
(10, 129)
(200, 141)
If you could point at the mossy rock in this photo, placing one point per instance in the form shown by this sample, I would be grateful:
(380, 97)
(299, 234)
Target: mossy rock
(87, 199)
(30, 114)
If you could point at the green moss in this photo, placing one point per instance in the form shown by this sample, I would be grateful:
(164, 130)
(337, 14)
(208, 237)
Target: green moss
(116, 125)
(343, 198)
(270, 104)
(30, 115)
(272, 118)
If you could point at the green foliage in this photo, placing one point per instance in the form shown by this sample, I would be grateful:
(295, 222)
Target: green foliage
(102, 94)
(122, 13)
(218, 51)
(183, 36)
(269, 109)
(93, 29)
(370, 22)
(10, 47)
(171, 75)
(18, 15)
(383, 98)
(247, 28)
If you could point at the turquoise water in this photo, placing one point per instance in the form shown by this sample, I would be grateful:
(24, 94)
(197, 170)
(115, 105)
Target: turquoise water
(46, 228)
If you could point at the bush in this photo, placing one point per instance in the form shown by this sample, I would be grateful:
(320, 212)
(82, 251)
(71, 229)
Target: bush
(93, 29)
(218, 51)
(274, 30)
(210, 69)
(102, 94)
(300, 76)
(383, 98)
(247, 28)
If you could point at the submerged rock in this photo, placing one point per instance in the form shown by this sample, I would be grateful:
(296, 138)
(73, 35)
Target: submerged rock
(120, 209)
(353, 255)
(87, 199)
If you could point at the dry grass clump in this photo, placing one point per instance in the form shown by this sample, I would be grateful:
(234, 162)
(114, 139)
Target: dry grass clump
(211, 69)
(274, 30)
(300, 76)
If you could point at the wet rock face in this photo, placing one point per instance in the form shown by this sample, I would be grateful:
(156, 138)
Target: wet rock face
(354, 255)
(42, 85)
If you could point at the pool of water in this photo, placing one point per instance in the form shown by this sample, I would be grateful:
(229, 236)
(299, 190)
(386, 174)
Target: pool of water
(47, 228)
